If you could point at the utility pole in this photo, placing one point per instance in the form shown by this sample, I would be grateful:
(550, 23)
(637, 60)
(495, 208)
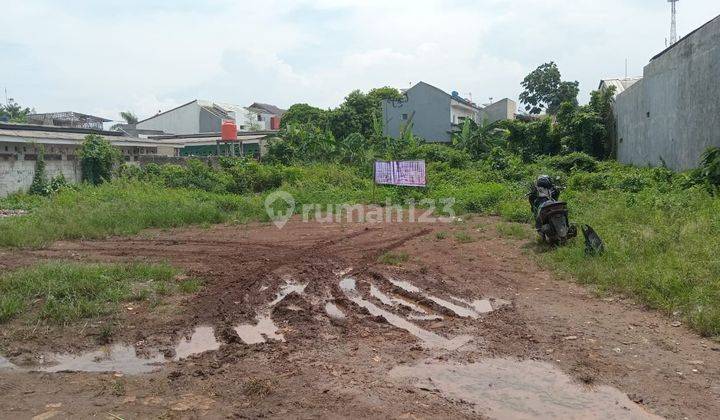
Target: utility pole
(673, 21)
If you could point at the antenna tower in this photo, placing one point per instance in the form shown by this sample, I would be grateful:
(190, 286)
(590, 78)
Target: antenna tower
(673, 21)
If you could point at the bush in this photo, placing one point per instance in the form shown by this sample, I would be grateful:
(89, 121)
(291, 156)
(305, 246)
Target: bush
(39, 184)
(97, 158)
(580, 181)
(249, 176)
(576, 161)
(436, 153)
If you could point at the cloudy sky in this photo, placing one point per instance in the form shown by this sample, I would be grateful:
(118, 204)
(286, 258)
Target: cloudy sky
(101, 57)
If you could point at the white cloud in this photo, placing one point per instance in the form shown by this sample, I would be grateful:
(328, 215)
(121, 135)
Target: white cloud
(133, 55)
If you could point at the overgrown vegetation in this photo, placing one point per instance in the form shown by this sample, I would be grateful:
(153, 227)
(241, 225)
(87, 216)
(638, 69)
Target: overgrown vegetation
(660, 227)
(66, 291)
(97, 159)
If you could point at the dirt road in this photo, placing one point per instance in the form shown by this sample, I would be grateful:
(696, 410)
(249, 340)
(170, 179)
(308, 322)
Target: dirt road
(306, 322)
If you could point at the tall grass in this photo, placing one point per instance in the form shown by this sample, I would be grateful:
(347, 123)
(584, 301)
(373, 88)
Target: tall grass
(63, 291)
(661, 234)
(661, 248)
(122, 207)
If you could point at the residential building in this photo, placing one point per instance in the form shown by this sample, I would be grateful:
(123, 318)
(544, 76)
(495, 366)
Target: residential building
(199, 116)
(251, 143)
(268, 116)
(670, 117)
(620, 85)
(67, 119)
(435, 115)
(20, 145)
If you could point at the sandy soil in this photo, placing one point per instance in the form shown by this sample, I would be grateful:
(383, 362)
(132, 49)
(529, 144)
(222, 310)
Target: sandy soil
(305, 322)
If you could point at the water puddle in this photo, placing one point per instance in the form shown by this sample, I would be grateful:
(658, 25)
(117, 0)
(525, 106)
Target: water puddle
(116, 358)
(123, 358)
(5, 364)
(202, 340)
(264, 330)
(421, 317)
(405, 285)
(286, 290)
(512, 389)
(333, 311)
(430, 339)
(461, 311)
(463, 308)
(394, 300)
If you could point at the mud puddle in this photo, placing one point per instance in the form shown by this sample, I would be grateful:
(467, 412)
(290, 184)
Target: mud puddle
(264, 330)
(333, 311)
(429, 339)
(286, 290)
(512, 389)
(121, 357)
(201, 341)
(394, 300)
(462, 308)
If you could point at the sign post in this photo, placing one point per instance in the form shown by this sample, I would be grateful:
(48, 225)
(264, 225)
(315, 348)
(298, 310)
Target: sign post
(408, 173)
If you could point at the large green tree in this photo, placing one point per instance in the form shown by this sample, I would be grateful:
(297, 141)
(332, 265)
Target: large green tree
(304, 114)
(544, 90)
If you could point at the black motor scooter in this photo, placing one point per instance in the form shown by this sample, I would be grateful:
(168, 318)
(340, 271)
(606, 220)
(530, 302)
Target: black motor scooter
(551, 215)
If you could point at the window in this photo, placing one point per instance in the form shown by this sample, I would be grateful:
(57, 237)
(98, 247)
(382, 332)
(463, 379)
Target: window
(260, 117)
(405, 117)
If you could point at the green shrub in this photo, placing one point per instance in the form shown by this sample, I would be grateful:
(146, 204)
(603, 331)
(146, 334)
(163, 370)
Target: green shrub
(580, 181)
(576, 161)
(97, 158)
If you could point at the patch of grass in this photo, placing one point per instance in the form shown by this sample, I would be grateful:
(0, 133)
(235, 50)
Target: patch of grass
(189, 286)
(390, 258)
(513, 230)
(67, 291)
(515, 211)
(258, 388)
(120, 208)
(659, 249)
(464, 237)
(441, 235)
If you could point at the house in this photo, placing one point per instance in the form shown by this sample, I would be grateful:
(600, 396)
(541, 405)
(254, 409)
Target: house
(670, 116)
(435, 115)
(250, 143)
(267, 115)
(199, 116)
(620, 84)
(20, 145)
(67, 119)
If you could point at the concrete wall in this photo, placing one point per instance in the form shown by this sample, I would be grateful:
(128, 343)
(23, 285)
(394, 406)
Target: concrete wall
(432, 114)
(672, 114)
(504, 109)
(17, 165)
(182, 120)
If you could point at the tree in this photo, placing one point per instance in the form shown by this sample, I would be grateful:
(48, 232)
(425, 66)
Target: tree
(304, 114)
(128, 117)
(97, 158)
(545, 90)
(478, 141)
(13, 112)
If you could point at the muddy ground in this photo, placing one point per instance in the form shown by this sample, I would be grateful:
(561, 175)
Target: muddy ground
(306, 322)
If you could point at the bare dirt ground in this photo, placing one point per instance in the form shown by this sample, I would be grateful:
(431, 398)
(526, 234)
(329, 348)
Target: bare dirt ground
(306, 322)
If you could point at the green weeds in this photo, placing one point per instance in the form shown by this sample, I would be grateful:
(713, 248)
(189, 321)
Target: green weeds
(66, 291)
